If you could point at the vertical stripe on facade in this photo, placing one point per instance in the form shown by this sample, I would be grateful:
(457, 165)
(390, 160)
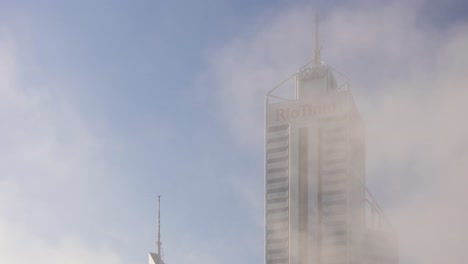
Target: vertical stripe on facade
(277, 195)
(303, 195)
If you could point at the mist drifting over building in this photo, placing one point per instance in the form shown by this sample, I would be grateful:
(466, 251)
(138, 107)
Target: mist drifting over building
(317, 206)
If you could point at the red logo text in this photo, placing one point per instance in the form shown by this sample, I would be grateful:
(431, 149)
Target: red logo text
(287, 114)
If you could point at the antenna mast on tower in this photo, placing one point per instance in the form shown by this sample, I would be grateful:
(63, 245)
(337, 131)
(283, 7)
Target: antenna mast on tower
(317, 58)
(159, 226)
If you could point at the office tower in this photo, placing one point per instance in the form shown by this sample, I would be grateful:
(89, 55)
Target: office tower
(317, 207)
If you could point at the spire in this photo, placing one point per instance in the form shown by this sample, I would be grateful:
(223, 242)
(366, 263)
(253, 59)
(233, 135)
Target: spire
(317, 58)
(159, 226)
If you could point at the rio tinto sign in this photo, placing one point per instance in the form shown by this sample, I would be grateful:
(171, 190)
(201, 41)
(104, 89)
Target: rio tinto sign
(299, 110)
(303, 111)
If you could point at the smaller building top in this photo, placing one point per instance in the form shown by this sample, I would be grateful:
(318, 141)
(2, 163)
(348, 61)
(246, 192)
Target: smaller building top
(155, 259)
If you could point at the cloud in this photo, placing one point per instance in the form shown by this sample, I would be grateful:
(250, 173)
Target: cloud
(243, 71)
(409, 81)
(421, 125)
(46, 171)
(20, 245)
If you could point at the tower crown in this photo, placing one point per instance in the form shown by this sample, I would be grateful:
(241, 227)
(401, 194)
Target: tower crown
(317, 79)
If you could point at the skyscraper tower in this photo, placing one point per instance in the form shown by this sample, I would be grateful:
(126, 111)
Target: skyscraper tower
(317, 207)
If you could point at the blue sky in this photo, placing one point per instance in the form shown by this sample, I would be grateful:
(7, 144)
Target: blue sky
(107, 104)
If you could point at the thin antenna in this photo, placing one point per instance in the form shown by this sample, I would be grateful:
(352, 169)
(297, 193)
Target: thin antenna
(317, 58)
(159, 226)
